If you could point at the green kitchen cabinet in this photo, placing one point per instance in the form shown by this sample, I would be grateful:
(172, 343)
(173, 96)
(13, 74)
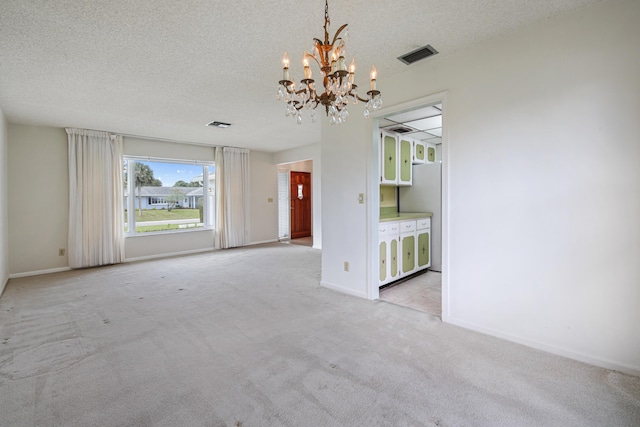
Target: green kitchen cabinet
(405, 155)
(408, 253)
(423, 247)
(419, 152)
(388, 158)
(388, 252)
(431, 153)
(393, 258)
(407, 247)
(396, 154)
(383, 252)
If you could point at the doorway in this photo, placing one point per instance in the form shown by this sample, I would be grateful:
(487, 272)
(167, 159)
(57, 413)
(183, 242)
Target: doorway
(422, 120)
(295, 215)
(300, 200)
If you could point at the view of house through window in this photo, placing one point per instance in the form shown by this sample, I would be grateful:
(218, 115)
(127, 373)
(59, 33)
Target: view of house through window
(161, 195)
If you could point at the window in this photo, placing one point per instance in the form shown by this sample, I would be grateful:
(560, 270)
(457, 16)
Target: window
(168, 195)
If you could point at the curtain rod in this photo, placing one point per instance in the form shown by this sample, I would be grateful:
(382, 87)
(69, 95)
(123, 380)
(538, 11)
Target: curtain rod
(201, 144)
(153, 138)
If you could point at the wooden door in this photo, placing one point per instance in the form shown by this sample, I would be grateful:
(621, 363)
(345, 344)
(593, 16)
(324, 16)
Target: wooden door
(300, 196)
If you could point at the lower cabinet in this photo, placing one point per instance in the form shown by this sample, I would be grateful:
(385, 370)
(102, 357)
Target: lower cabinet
(408, 244)
(423, 249)
(388, 251)
(404, 248)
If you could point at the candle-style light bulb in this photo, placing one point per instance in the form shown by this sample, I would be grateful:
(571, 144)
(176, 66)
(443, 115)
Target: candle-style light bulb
(305, 63)
(352, 70)
(374, 74)
(285, 67)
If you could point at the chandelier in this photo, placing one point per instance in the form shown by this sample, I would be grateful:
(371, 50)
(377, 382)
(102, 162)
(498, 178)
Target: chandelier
(338, 82)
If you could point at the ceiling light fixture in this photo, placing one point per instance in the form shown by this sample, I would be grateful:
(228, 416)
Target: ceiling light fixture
(339, 86)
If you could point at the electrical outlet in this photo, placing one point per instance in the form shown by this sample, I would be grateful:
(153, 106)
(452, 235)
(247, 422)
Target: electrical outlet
(61, 251)
(270, 200)
(346, 266)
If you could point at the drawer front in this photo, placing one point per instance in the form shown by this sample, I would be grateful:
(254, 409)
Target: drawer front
(407, 226)
(393, 228)
(424, 223)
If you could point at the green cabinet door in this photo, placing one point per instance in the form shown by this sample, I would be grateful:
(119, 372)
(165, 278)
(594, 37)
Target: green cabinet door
(431, 154)
(418, 152)
(393, 258)
(383, 261)
(423, 249)
(408, 253)
(389, 162)
(405, 161)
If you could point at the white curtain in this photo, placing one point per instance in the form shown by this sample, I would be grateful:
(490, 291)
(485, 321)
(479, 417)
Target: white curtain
(232, 196)
(96, 234)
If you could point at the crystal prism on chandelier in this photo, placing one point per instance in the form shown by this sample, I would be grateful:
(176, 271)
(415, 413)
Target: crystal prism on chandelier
(339, 87)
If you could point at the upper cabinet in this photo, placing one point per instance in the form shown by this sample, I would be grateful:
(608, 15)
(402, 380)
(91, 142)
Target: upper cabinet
(431, 153)
(395, 159)
(423, 152)
(405, 154)
(388, 158)
(419, 152)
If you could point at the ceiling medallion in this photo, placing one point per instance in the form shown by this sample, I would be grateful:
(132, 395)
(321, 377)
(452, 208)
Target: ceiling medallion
(339, 86)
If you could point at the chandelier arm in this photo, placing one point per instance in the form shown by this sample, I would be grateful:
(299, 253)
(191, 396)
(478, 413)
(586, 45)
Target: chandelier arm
(314, 58)
(335, 37)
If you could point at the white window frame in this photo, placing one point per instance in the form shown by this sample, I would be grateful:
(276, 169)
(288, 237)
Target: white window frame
(131, 213)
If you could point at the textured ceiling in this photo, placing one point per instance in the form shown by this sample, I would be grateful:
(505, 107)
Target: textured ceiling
(165, 68)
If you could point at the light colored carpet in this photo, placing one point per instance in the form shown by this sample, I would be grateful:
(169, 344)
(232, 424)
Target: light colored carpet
(247, 337)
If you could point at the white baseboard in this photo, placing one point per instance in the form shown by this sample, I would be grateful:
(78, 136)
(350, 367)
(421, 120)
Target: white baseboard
(262, 241)
(4, 285)
(343, 290)
(168, 254)
(570, 354)
(38, 272)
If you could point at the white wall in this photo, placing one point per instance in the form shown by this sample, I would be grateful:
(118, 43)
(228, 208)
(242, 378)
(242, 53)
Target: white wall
(263, 225)
(4, 207)
(308, 152)
(38, 198)
(346, 150)
(543, 182)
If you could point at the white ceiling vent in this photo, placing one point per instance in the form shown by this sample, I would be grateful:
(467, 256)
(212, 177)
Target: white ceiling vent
(418, 54)
(401, 129)
(217, 124)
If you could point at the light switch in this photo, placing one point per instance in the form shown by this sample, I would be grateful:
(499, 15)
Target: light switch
(361, 198)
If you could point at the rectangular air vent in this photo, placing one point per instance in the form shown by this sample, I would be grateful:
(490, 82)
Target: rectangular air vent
(401, 129)
(418, 54)
(217, 124)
